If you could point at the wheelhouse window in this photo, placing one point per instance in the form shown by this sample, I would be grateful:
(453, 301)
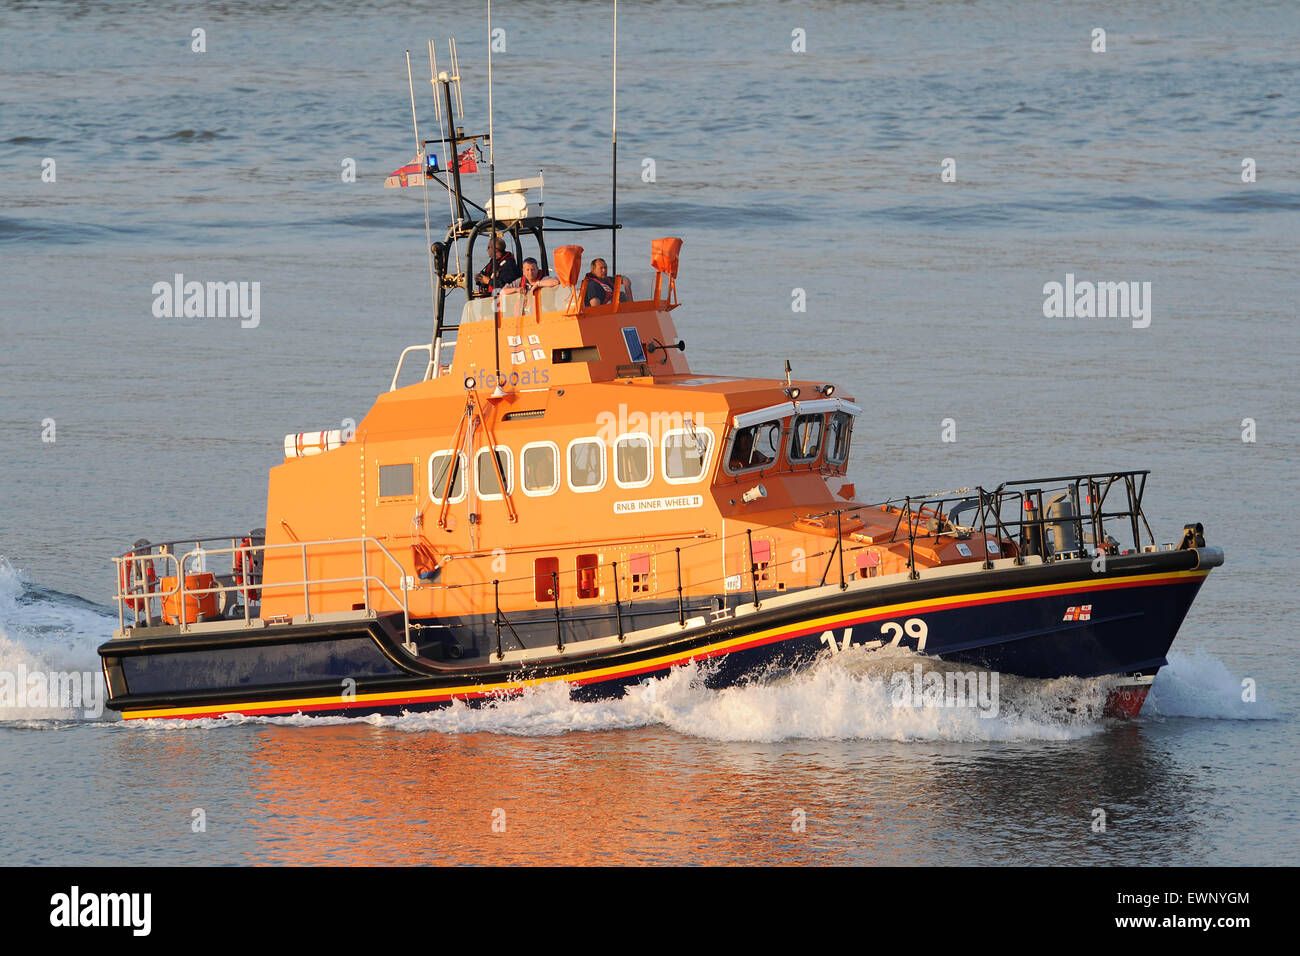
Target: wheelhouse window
(438, 466)
(586, 464)
(540, 465)
(838, 432)
(805, 438)
(755, 447)
(686, 454)
(397, 481)
(632, 468)
(486, 476)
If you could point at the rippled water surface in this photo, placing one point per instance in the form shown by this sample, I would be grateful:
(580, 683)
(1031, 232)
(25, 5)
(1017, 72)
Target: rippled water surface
(782, 170)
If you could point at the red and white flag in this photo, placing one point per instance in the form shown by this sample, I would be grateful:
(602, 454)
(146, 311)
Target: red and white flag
(1081, 613)
(412, 174)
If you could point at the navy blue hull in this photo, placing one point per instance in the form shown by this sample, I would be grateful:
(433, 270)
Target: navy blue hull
(1043, 621)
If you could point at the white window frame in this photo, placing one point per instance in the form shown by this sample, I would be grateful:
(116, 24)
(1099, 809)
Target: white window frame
(523, 484)
(509, 470)
(851, 420)
(650, 459)
(464, 471)
(708, 455)
(821, 437)
(772, 465)
(604, 465)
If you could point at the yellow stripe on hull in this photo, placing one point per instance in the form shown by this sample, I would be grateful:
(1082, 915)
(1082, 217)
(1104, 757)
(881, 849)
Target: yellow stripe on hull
(826, 622)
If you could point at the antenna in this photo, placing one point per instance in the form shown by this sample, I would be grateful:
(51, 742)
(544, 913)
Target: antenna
(492, 140)
(455, 74)
(613, 175)
(437, 106)
(424, 176)
(492, 191)
(433, 81)
(419, 146)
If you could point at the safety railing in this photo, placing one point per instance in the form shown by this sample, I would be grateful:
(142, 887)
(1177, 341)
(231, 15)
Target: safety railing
(1014, 519)
(976, 515)
(1054, 518)
(136, 577)
(427, 349)
(1032, 529)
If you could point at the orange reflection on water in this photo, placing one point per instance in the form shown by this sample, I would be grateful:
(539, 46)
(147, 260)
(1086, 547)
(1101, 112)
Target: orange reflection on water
(364, 794)
(372, 795)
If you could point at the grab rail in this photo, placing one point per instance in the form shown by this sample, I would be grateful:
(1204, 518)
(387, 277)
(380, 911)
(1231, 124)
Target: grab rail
(401, 359)
(241, 556)
(929, 518)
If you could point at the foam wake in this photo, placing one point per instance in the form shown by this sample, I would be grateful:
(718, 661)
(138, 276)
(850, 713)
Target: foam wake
(1198, 684)
(45, 632)
(852, 696)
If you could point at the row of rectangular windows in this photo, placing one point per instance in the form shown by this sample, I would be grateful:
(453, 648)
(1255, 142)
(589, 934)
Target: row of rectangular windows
(684, 458)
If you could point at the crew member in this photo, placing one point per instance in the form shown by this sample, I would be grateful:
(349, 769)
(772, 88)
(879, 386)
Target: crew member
(502, 261)
(600, 288)
(532, 277)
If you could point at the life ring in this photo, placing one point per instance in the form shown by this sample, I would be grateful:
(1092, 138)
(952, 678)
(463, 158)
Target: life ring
(126, 580)
(242, 570)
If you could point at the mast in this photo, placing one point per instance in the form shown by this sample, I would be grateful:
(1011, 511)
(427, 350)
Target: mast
(613, 178)
(453, 140)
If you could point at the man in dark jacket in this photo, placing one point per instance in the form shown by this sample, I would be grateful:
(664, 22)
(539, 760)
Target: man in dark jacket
(502, 261)
(600, 288)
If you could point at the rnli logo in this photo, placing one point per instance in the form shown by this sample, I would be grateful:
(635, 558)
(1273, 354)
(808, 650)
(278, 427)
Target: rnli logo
(1081, 613)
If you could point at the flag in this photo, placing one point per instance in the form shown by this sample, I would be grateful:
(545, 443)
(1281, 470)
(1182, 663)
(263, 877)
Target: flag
(412, 174)
(1083, 613)
(468, 161)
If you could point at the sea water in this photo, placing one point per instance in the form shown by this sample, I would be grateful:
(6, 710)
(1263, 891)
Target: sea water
(802, 152)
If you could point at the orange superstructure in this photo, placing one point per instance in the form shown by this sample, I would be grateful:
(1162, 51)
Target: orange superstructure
(609, 457)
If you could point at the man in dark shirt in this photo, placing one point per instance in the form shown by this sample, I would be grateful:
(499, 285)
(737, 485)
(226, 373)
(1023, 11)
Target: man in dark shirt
(504, 263)
(600, 288)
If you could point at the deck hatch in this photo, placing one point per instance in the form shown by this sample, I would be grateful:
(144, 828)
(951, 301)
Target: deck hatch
(588, 575)
(544, 577)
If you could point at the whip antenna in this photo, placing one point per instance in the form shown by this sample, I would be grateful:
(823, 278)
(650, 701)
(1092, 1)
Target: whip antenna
(428, 230)
(492, 191)
(455, 74)
(410, 83)
(613, 175)
(492, 141)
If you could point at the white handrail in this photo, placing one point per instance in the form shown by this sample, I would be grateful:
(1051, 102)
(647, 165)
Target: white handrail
(428, 368)
(238, 553)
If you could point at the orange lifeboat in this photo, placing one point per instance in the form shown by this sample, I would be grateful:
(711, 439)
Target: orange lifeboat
(551, 493)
